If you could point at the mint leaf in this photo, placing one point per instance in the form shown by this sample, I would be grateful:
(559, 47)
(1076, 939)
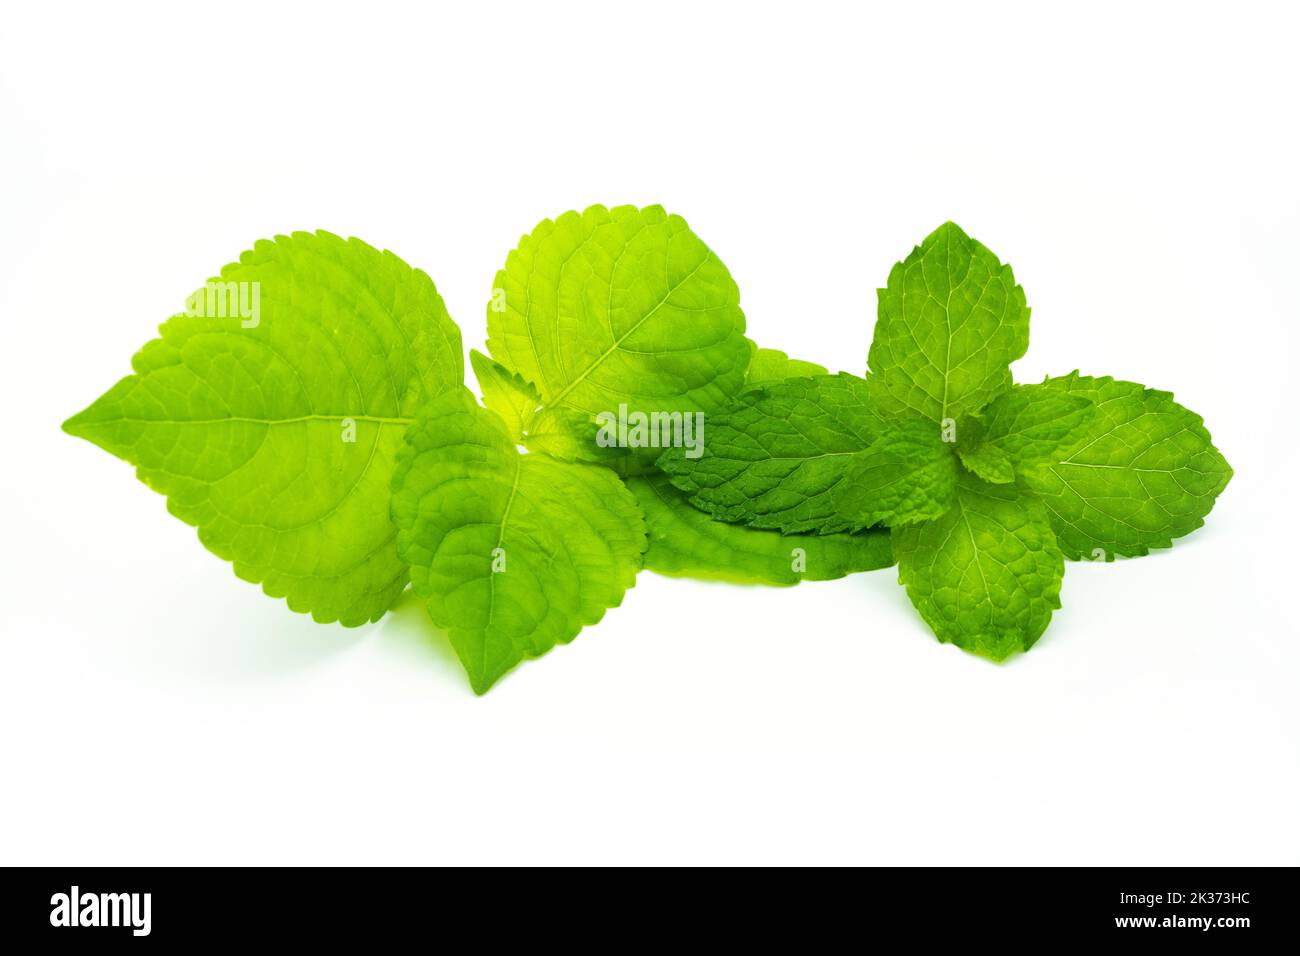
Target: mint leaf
(1145, 473)
(1033, 424)
(907, 475)
(987, 575)
(512, 553)
(950, 321)
(569, 435)
(270, 420)
(1024, 426)
(773, 365)
(775, 456)
(510, 396)
(988, 462)
(619, 307)
(686, 542)
(563, 433)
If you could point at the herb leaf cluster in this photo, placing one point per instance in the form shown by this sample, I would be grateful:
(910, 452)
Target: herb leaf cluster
(329, 449)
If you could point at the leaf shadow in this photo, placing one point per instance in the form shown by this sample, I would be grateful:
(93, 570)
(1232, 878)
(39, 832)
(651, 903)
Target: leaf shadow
(407, 631)
(251, 642)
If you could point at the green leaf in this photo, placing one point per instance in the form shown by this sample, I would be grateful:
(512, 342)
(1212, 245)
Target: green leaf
(773, 365)
(950, 321)
(1036, 424)
(1146, 472)
(511, 396)
(563, 433)
(988, 462)
(686, 542)
(987, 575)
(569, 435)
(271, 421)
(774, 457)
(513, 553)
(615, 307)
(907, 475)
(1024, 426)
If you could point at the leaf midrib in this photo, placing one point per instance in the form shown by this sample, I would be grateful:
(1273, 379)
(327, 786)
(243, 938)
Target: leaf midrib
(622, 338)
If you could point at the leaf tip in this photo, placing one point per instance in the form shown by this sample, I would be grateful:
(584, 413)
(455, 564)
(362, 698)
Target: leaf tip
(480, 363)
(78, 425)
(948, 230)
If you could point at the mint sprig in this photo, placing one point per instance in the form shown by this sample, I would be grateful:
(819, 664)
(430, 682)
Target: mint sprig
(986, 485)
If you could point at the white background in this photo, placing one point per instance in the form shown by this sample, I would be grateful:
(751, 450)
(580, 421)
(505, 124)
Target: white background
(1138, 167)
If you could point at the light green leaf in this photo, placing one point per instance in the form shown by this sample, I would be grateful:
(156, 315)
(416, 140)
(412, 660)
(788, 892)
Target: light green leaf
(907, 475)
(562, 433)
(988, 462)
(271, 419)
(774, 457)
(949, 323)
(630, 466)
(685, 541)
(569, 435)
(511, 396)
(1035, 424)
(1146, 472)
(773, 365)
(619, 306)
(513, 553)
(987, 575)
